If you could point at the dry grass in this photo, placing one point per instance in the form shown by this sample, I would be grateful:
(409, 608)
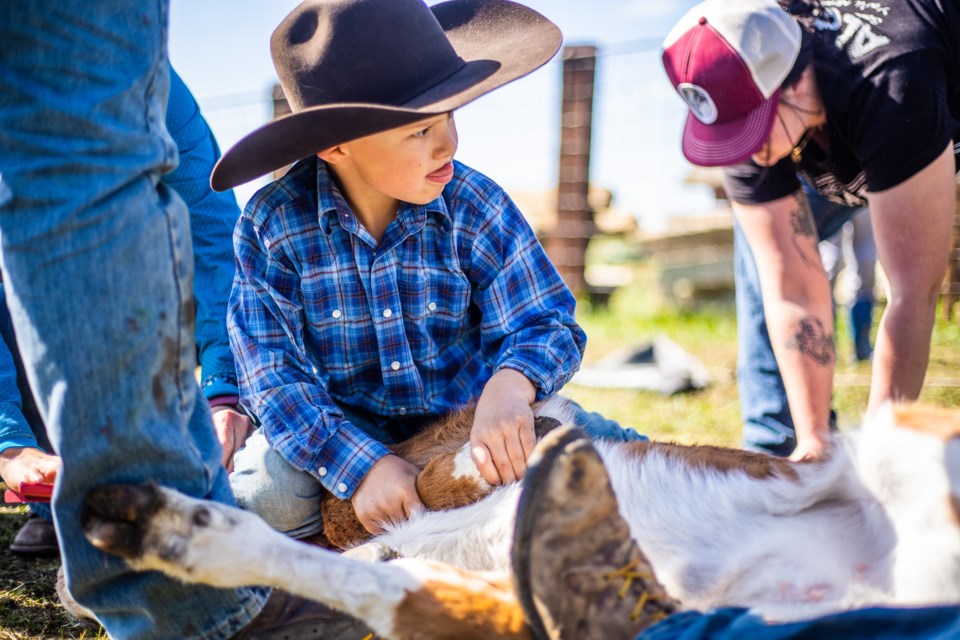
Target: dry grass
(28, 601)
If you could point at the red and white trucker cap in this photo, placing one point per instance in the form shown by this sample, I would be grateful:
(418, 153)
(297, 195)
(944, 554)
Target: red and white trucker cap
(727, 60)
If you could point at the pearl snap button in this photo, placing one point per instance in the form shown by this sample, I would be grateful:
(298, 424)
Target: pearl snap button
(336, 313)
(342, 488)
(432, 306)
(387, 313)
(322, 471)
(395, 365)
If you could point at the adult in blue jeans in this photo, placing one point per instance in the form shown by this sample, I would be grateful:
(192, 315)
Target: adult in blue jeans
(98, 270)
(863, 100)
(25, 452)
(764, 407)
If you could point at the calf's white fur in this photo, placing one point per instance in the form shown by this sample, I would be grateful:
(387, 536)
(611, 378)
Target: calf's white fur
(878, 522)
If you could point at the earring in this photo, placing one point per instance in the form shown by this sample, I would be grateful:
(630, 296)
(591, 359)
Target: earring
(797, 153)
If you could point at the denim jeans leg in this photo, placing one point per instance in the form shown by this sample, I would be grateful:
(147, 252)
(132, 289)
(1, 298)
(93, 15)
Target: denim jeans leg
(764, 409)
(598, 426)
(287, 499)
(98, 268)
(765, 412)
(913, 623)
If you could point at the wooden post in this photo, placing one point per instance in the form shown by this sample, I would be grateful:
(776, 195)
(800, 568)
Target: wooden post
(566, 244)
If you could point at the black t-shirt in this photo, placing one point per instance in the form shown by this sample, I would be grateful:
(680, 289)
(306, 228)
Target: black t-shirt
(889, 76)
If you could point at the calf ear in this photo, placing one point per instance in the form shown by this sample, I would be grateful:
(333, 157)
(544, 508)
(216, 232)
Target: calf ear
(542, 425)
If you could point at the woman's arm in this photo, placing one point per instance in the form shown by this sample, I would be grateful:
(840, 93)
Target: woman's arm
(912, 226)
(798, 308)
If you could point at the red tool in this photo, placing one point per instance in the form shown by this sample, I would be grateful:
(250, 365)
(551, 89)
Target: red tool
(29, 492)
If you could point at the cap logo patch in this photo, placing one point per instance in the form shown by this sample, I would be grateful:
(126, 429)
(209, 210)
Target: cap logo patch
(701, 104)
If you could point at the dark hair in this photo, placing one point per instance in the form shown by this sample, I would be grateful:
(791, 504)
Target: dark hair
(806, 12)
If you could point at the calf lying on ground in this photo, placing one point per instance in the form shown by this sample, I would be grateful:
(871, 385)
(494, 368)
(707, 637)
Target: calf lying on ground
(878, 522)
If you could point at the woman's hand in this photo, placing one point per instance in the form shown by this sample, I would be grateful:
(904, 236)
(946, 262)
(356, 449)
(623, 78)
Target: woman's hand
(233, 428)
(26, 464)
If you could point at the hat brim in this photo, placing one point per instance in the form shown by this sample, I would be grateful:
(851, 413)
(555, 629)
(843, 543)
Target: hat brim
(731, 142)
(500, 41)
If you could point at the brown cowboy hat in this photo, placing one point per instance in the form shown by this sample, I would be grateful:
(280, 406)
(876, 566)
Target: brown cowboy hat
(352, 68)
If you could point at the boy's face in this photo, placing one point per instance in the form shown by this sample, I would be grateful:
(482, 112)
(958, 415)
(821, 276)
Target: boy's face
(410, 163)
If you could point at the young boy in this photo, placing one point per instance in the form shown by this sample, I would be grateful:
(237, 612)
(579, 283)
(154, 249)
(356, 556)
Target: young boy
(380, 284)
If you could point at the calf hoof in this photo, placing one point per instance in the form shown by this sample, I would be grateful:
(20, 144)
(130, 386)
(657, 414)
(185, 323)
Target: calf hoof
(115, 517)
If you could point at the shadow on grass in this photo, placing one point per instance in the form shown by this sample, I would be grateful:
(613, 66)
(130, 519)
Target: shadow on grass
(29, 608)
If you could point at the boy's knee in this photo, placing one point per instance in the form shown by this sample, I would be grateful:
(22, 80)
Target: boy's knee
(286, 498)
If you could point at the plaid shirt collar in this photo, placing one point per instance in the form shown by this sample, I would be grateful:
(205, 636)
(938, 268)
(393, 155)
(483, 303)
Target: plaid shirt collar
(331, 205)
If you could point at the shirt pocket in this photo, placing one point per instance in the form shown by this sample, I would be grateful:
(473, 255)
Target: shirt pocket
(339, 329)
(437, 302)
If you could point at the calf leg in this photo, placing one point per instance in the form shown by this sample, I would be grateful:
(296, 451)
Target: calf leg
(199, 541)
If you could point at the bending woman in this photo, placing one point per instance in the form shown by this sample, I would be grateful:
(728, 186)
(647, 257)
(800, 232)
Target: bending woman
(863, 100)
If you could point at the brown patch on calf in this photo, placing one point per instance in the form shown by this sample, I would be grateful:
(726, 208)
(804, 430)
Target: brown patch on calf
(938, 422)
(439, 490)
(450, 609)
(340, 522)
(341, 526)
(943, 424)
(760, 466)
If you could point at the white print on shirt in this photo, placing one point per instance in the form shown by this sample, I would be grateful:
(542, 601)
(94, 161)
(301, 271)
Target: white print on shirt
(863, 6)
(856, 33)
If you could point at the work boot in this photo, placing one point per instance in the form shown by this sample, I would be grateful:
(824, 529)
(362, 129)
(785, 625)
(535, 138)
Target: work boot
(579, 573)
(37, 537)
(286, 616)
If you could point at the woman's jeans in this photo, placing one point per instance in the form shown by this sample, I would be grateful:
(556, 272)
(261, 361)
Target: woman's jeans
(767, 423)
(288, 499)
(98, 269)
(875, 623)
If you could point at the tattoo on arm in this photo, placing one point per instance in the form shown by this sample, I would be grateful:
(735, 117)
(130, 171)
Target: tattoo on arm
(802, 225)
(813, 341)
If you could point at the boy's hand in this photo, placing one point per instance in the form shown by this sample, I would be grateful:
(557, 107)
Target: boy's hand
(502, 437)
(26, 464)
(388, 492)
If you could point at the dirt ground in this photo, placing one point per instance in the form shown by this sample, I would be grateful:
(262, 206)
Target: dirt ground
(28, 602)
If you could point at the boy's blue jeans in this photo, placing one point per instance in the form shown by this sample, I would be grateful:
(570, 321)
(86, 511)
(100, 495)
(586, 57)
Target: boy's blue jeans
(767, 423)
(288, 499)
(98, 267)
(876, 623)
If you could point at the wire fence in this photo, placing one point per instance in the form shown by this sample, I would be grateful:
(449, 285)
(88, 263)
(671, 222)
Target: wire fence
(512, 134)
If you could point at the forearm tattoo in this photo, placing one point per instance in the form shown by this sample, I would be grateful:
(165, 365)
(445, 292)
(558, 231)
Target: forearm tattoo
(813, 341)
(802, 226)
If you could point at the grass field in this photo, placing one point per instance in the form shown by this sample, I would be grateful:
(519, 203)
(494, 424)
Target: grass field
(635, 314)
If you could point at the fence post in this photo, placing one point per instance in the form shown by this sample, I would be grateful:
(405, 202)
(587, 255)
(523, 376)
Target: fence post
(566, 244)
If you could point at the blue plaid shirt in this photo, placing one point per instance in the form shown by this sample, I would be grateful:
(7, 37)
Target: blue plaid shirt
(322, 316)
